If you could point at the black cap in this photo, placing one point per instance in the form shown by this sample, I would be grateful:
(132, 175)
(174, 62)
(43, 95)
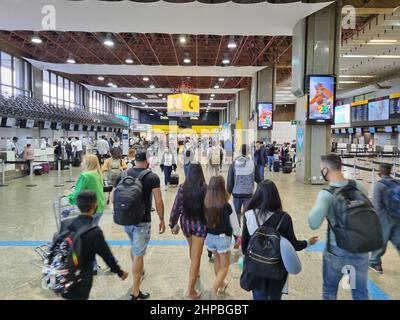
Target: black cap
(141, 155)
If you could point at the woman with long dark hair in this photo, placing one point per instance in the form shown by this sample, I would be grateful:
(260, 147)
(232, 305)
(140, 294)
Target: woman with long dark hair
(189, 208)
(222, 222)
(265, 209)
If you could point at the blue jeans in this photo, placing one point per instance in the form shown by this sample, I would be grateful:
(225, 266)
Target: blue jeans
(261, 169)
(390, 231)
(338, 262)
(167, 174)
(139, 235)
(240, 204)
(186, 169)
(271, 160)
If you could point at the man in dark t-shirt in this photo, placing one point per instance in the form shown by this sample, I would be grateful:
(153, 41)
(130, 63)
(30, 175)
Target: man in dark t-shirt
(140, 234)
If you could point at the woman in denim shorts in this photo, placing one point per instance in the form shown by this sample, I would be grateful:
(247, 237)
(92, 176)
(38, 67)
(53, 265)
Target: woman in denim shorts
(189, 207)
(222, 222)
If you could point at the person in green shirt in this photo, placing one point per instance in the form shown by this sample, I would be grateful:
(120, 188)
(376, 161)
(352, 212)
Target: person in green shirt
(90, 179)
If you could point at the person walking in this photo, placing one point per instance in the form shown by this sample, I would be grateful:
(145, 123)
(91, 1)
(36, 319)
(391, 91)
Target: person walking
(188, 157)
(139, 234)
(386, 200)
(214, 158)
(68, 149)
(335, 257)
(78, 148)
(222, 222)
(103, 149)
(167, 165)
(265, 209)
(240, 183)
(130, 159)
(259, 159)
(29, 156)
(188, 207)
(113, 166)
(271, 155)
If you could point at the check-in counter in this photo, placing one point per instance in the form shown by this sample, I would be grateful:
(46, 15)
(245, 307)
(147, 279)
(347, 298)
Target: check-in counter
(44, 154)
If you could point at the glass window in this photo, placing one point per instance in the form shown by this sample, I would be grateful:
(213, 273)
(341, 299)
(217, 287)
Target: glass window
(66, 93)
(46, 86)
(6, 73)
(60, 90)
(53, 87)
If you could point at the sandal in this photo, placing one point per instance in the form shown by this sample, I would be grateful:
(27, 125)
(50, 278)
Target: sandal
(193, 298)
(222, 290)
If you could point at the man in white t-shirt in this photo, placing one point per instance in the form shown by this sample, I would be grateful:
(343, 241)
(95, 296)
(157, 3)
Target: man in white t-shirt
(78, 148)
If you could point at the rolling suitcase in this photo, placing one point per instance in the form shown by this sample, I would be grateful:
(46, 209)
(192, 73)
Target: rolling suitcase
(174, 181)
(287, 169)
(277, 166)
(76, 162)
(45, 167)
(38, 171)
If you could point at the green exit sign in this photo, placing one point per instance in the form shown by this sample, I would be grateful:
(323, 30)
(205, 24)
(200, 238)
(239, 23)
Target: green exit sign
(295, 122)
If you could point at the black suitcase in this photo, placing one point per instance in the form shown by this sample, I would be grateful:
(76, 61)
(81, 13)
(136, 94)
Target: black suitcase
(174, 181)
(76, 162)
(38, 171)
(277, 166)
(287, 169)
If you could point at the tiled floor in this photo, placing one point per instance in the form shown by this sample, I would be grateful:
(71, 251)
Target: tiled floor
(26, 215)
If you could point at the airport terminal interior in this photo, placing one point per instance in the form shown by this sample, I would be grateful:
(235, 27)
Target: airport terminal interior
(316, 77)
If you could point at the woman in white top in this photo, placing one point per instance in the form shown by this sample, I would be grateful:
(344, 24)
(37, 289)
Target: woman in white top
(167, 164)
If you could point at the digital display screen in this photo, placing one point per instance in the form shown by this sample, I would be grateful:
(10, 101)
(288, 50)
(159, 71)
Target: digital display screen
(264, 115)
(350, 130)
(58, 126)
(378, 110)
(388, 129)
(372, 130)
(342, 114)
(395, 108)
(11, 122)
(30, 123)
(359, 113)
(343, 131)
(321, 98)
(337, 131)
(47, 125)
(80, 127)
(71, 127)
(358, 130)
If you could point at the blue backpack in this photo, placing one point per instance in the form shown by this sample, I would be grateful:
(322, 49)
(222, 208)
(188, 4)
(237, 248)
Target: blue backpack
(393, 187)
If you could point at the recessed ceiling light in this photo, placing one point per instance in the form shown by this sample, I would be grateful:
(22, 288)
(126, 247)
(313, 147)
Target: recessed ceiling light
(232, 45)
(164, 98)
(108, 42)
(213, 95)
(211, 99)
(225, 61)
(152, 86)
(186, 60)
(145, 79)
(143, 103)
(134, 98)
(188, 78)
(182, 39)
(221, 79)
(71, 60)
(115, 86)
(160, 95)
(110, 84)
(128, 94)
(128, 60)
(36, 39)
(216, 86)
(100, 78)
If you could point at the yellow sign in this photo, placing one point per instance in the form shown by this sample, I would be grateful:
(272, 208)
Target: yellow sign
(395, 96)
(359, 103)
(183, 105)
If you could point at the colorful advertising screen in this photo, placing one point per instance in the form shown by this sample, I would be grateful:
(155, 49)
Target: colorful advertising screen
(264, 115)
(321, 98)
(342, 114)
(378, 110)
(125, 118)
(395, 106)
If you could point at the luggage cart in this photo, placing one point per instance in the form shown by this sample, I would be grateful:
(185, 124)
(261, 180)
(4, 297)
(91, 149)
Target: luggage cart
(63, 211)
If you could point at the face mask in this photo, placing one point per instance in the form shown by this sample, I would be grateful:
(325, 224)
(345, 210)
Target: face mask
(325, 173)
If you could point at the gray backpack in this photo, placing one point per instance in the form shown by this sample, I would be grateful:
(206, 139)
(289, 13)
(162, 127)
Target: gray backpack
(244, 176)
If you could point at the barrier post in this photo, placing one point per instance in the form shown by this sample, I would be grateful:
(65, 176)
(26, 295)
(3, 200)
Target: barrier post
(70, 173)
(394, 167)
(59, 184)
(31, 184)
(373, 176)
(354, 168)
(3, 174)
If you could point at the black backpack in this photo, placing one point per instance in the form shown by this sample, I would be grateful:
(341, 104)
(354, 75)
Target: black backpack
(63, 265)
(357, 228)
(263, 258)
(129, 206)
(393, 188)
(68, 147)
(188, 153)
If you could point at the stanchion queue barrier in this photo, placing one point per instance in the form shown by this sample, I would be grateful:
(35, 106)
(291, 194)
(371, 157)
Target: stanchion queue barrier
(70, 173)
(31, 184)
(59, 184)
(3, 174)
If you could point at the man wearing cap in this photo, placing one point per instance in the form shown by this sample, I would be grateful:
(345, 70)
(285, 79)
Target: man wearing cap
(140, 234)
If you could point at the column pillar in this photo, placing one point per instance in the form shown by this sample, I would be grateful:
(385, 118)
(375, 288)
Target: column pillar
(321, 37)
(37, 83)
(265, 93)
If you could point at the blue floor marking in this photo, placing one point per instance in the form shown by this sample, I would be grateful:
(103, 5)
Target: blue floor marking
(375, 292)
(110, 242)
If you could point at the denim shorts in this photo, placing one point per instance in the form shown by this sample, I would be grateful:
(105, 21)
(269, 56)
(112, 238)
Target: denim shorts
(220, 243)
(140, 237)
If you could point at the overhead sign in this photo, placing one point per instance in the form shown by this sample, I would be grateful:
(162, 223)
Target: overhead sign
(183, 105)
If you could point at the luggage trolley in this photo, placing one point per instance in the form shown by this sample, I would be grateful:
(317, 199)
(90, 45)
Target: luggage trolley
(63, 211)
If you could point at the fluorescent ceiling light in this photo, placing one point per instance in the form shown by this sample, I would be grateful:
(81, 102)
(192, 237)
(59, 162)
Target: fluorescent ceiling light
(216, 86)
(71, 60)
(232, 45)
(225, 61)
(36, 39)
(354, 76)
(129, 60)
(108, 42)
(382, 41)
(213, 95)
(378, 56)
(145, 79)
(186, 60)
(221, 79)
(348, 82)
(100, 78)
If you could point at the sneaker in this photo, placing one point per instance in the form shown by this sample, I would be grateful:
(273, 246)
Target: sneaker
(141, 296)
(376, 267)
